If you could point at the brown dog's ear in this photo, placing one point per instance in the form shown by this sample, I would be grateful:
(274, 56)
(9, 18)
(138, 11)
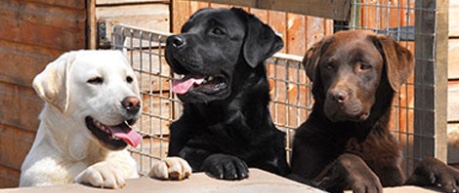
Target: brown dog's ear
(52, 85)
(260, 40)
(398, 60)
(312, 57)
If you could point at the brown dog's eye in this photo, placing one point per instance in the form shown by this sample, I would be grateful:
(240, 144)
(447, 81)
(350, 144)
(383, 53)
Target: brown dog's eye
(218, 31)
(129, 79)
(329, 66)
(364, 66)
(96, 80)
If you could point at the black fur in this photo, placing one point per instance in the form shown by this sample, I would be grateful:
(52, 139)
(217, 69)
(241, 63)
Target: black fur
(226, 125)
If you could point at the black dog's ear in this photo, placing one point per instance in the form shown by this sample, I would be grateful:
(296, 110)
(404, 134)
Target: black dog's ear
(260, 40)
(398, 60)
(312, 57)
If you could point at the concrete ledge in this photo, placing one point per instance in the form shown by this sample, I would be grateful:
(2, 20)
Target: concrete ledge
(259, 181)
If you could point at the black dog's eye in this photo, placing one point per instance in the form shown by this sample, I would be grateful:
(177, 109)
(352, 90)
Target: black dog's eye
(218, 31)
(96, 80)
(129, 79)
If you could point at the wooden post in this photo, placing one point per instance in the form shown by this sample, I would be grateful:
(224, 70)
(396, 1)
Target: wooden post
(331, 9)
(431, 50)
(91, 38)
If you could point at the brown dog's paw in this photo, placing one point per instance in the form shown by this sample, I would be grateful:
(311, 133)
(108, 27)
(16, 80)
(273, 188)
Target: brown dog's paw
(433, 172)
(173, 168)
(350, 171)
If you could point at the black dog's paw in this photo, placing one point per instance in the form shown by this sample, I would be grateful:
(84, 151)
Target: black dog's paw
(226, 167)
(433, 172)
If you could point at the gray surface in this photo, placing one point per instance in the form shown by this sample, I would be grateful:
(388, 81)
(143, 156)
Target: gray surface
(258, 182)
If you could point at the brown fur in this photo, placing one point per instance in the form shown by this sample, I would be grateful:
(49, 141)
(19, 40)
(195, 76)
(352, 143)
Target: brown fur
(346, 142)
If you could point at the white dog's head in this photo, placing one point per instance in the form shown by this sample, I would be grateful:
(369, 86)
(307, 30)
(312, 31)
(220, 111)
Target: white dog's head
(98, 90)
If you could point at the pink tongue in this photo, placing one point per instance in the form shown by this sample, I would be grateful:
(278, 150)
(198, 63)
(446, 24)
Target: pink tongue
(182, 86)
(126, 134)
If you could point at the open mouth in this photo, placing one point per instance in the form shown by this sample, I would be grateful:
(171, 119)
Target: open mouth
(203, 84)
(114, 137)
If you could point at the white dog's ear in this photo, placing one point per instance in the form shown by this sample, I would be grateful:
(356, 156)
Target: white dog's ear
(52, 83)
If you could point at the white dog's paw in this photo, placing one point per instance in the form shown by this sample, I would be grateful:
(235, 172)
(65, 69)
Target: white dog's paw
(103, 175)
(171, 168)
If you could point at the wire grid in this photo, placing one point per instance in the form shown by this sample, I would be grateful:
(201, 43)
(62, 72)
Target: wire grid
(145, 51)
(396, 18)
(289, 86)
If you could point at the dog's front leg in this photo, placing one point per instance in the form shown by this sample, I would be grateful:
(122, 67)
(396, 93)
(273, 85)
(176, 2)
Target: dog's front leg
(349, 171)
(228, 167)
(174, 168)
(109, 173)
(433, 172)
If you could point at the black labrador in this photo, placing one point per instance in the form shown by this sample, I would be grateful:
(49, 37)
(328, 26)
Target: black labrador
(346, 141)
(226, 126)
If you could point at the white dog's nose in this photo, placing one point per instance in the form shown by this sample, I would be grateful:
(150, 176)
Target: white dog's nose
(131, 104)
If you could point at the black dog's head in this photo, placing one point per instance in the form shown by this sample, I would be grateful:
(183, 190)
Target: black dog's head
(348, 68)
(212, 44)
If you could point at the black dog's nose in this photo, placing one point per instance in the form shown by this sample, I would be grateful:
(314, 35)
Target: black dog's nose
(131, 104)
(176, 41)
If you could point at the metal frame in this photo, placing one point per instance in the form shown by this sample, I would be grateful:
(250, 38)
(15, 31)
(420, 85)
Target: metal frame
(290, 92)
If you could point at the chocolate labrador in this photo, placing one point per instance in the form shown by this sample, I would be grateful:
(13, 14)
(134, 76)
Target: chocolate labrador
(346, 142)
(226, 126)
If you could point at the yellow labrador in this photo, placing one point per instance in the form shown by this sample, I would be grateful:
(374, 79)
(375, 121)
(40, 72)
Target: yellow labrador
(92, 102)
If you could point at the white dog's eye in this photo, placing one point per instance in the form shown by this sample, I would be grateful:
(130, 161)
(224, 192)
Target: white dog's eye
(96, 80)
(129, 79)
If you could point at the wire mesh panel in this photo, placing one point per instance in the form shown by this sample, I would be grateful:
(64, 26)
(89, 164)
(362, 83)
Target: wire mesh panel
(397, 20)
(144, 49)
(290, 88)
(414, 24)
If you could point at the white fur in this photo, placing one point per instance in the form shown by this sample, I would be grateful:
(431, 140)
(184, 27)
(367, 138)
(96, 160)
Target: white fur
(64, 150)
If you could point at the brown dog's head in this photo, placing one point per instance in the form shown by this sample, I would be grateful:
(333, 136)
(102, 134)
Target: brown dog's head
(347, 69)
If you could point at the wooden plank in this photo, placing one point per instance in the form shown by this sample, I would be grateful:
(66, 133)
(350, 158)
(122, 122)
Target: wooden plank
(296, 32)
(195, 6)
(180, 14)
(368, 13)
(20, 106)
(453, 22)
(453, 101)
(453, 58)
(431, 67)
(118, 2)
(33, 33)
(453, 143)
(278, 22)
(64, 29)
(315, 30)
(147, 16)
(15, 143)
(80, 4)
(217, 5)
(92, 29)
(261, 14)
(338, 10)
(24, 62)
(9, 178)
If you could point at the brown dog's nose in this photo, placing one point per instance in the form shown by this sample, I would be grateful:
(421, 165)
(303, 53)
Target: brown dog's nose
(176, 41)
(131, 104)
(339, 96)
